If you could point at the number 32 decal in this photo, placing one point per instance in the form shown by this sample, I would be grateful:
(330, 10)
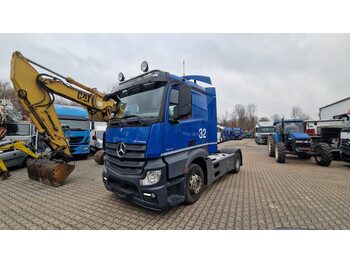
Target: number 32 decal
(202, 133)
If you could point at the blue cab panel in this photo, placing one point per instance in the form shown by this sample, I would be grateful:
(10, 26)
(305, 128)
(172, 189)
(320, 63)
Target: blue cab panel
(77, 119)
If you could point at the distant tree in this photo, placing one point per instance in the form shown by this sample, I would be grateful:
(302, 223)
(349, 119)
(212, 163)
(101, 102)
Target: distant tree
(241, 116)
(8, 92)
(297, 113)
(275, 117)
(264, 118)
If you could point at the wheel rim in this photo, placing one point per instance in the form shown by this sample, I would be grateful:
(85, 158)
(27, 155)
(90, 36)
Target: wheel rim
(195, 184)
(318, 156)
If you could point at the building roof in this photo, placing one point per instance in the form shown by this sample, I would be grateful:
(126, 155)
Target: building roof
(348, 98)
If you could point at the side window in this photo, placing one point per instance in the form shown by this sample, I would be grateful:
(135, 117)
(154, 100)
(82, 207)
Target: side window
(173, 103)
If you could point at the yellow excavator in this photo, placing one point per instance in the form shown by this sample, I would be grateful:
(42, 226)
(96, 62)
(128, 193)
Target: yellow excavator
(36, 93)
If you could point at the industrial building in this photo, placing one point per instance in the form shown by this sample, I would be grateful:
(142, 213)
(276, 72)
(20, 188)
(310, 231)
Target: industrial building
(336, 108)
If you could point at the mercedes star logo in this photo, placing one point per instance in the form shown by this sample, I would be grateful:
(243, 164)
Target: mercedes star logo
(121, 149)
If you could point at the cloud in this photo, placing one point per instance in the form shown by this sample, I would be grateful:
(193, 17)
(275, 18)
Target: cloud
(273, 71)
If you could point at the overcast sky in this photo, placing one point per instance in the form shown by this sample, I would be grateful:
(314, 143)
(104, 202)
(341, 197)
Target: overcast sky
(273, 71)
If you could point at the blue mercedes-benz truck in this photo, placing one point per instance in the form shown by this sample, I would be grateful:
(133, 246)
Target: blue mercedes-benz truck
(161, 140)
(76, 123)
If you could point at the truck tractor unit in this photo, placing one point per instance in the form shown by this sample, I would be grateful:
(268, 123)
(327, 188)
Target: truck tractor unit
(161, 140)
(237, 133)
(290, 138)
(262, 131)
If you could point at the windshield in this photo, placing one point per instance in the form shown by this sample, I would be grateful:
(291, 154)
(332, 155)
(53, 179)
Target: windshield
(293, 127)
(99, 134)
(76, 125)
(18, 129)
(237, 132)
(141, 100)
(269, 129)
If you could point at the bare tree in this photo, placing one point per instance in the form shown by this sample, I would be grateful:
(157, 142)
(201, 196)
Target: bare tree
(242, 116)
(297, 113)
(8, 92)
(276, 117)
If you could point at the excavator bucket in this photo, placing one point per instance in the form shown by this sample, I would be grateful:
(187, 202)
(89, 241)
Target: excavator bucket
(48, 171)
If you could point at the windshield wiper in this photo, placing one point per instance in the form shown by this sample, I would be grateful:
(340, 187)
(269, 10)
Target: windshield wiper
(77, 129)
(138, 118)
(115, 121)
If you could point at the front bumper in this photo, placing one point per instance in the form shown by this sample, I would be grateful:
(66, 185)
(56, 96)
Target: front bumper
(156, 197)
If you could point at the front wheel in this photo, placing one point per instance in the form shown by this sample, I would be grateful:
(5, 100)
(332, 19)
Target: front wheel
(271, 147)
(194, 184)
(324, 154)
(280, 152)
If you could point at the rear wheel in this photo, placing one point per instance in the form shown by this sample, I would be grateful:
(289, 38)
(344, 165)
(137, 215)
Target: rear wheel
(238, 163)
(271, 147)
(194, 184)
(280, 152)
(324, 154)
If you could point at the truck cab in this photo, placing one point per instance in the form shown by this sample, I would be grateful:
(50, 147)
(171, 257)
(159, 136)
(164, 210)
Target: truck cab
(237, 133)
(262, 131)
(23, 131)
(161, 140)
(76, 121)
(96, 136)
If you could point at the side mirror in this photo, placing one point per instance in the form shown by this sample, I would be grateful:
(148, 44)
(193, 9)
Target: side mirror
(184, 108)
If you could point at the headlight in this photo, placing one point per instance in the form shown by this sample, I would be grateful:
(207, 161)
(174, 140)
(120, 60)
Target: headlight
(152, 177)
(85, 149)
(303, 141)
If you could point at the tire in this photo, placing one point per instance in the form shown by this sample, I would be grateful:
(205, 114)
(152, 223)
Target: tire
(304, 156)
(99, 157)
(280, 152)
(194, 184)
(271, 147)
(324, 154)
(238, 163)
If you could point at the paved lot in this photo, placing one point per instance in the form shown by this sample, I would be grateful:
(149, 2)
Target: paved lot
(264, 195)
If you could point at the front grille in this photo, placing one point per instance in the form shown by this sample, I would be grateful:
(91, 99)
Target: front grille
(75, 140)
(133, 161)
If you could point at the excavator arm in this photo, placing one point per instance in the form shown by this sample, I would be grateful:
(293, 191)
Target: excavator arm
(36, 93)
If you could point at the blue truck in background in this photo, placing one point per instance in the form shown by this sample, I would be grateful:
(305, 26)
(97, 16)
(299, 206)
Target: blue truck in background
(75, 120)
(237, 133)
(161, 140)
(226, 134)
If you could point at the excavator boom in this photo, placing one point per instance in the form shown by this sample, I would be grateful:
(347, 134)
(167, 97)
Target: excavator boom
(36, 94)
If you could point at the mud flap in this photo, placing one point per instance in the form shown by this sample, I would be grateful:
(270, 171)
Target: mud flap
(48, 171)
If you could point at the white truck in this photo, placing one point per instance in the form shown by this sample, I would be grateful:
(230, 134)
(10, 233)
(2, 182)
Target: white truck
(96, 136)
(262, 131)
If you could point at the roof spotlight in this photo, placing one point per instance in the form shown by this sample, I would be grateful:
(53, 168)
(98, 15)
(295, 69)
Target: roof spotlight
(144, 66)
(121, 77)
